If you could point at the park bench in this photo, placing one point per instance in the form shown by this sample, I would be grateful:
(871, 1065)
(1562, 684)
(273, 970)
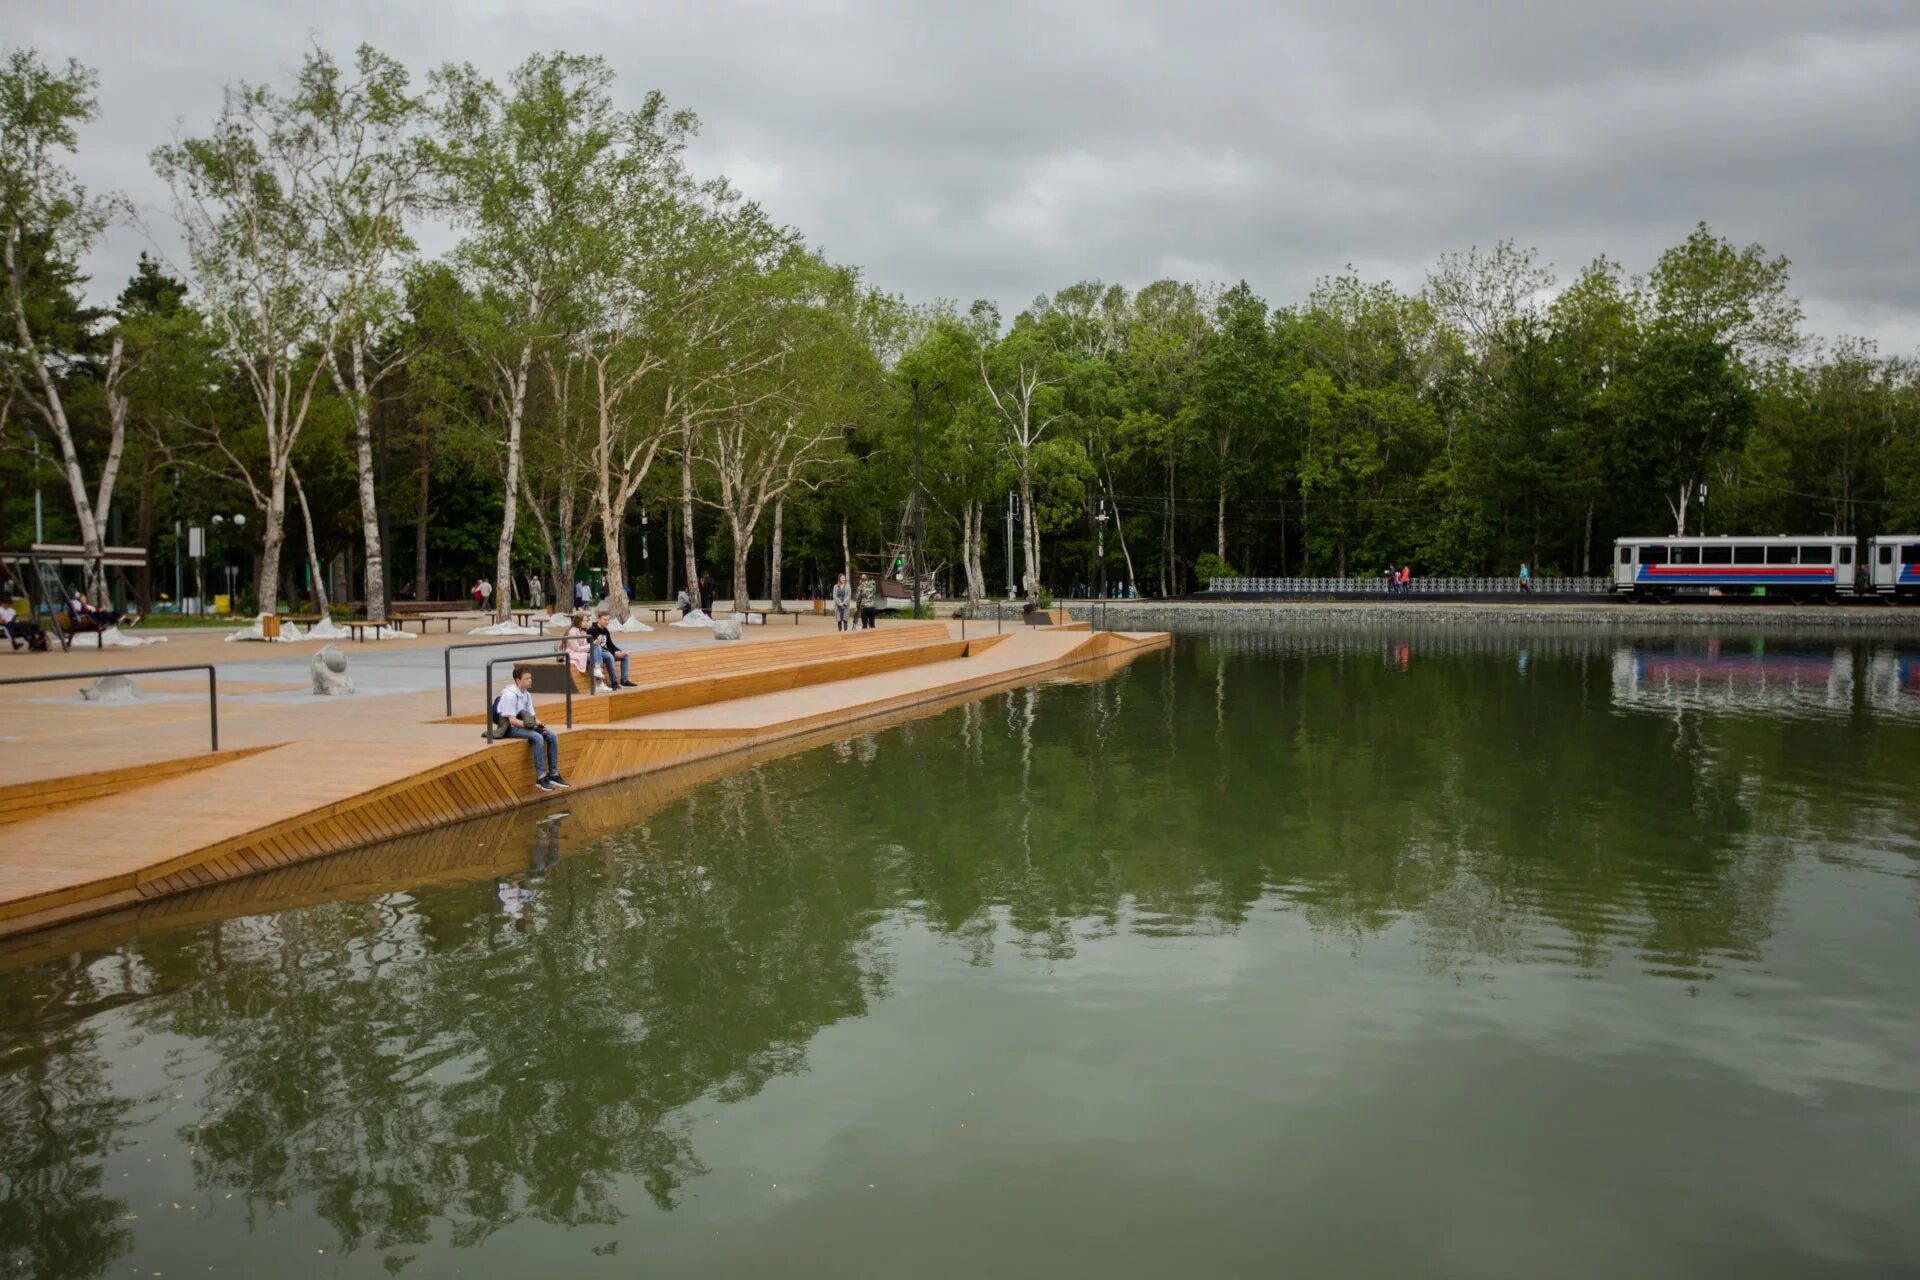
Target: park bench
(411, 607)
(72, 628)
(764, 615)
(525, 617)
(660, 611)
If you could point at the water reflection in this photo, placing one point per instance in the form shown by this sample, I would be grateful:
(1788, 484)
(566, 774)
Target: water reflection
(414, 1069)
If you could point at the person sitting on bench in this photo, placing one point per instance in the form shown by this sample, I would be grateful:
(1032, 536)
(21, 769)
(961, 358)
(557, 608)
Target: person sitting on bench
(513, 711)
(18, 632)
(606, 652)
(685, 602)
(579, 646)
(83, 611)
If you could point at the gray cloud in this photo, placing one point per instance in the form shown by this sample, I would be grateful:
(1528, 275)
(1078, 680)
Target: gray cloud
(1003, 149)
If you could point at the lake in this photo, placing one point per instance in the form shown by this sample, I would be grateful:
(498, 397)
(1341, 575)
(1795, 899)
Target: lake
(1388, 951)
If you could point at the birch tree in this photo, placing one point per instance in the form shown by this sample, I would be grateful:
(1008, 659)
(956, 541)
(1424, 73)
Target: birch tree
(372, 174)
(525, 174)
(280, 278)
(1015, 371)
(48, 221)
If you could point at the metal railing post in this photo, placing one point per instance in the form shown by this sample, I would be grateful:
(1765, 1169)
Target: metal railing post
(213, 687)
(446, 657)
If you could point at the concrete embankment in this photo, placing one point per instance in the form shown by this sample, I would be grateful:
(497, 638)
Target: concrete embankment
(1615, 617)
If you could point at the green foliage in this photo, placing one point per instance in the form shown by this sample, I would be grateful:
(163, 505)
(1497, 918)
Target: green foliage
(1210, 566)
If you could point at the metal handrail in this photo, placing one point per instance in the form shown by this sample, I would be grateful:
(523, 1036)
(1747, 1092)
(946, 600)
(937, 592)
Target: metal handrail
(213, 688)
(446, 656)
(487, 714)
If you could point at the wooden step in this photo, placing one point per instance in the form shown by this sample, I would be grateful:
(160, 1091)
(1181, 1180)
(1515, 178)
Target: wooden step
(25, 800)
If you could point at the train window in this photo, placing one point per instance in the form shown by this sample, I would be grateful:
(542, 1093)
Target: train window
(1782, 555)
(1686, 555)
(1653, 555)
(1846, 555)
(1886, 555)
(1716, 555)
(1910, 554)
(1749, 555)
(1816, 555)
(1626, 555)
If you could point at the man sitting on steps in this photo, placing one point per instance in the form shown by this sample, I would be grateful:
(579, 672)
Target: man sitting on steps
(513, 711)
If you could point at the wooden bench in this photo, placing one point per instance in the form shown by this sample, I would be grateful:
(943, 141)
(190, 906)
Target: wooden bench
(448, 618)
(764, 615)
(660, 611)
(411, 607)
(357, 628)
(73, 628)
(524, 617)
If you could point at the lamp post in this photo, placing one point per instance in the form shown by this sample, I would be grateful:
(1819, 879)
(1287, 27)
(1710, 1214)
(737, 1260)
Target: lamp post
(917, 528)
(1009, 544)
(1102, 518)
(39, 516)
(226, 560)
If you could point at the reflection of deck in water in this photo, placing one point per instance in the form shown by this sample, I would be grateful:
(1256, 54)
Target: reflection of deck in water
(1720, 678)
(1893, 681)
(216, 829)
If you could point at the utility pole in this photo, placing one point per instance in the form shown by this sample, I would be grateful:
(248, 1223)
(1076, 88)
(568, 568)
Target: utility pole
(1009, 544)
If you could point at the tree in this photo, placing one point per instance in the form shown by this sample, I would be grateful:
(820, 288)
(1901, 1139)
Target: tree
(1707, 288)
(1688, 407)
(278, 262)
(1015, 371)
(1237, 395)
(48, 221)
(527, 175)
(371, 175)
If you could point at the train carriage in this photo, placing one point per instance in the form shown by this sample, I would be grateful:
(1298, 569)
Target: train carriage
(1893, 563)
(1818, 567)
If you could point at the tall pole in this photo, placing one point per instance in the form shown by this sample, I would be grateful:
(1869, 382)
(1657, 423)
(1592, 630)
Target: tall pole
(1009, 544)
(39, 518)
(913, 564)
(1103, 548)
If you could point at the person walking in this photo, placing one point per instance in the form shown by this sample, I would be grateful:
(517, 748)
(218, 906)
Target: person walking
(868, 598)
(513, 711)
(1526, 579)
(486, 595)
(842, 602)
(706, 594)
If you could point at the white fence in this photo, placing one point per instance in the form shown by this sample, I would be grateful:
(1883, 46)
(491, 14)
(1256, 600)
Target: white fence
(1378, 586)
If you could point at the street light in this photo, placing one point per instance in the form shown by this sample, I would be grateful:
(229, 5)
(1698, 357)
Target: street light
(226, 562)
(1103, 547)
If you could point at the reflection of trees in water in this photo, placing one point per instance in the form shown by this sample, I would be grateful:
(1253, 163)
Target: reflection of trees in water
(422, 1064)
(60, 1117)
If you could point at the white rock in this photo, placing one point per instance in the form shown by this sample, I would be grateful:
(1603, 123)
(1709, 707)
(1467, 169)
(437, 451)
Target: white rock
(111, 689)
(727, 629)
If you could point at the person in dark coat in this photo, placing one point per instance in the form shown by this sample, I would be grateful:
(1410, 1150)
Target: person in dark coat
(706, 594)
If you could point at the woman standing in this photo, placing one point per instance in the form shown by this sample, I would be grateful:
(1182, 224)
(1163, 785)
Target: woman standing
(842, 603)
(706, 594)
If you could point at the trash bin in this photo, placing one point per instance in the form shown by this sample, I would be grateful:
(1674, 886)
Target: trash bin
(269, 626)
(819, 607)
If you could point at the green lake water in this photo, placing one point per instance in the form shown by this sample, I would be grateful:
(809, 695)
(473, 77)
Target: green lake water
(1366, 953)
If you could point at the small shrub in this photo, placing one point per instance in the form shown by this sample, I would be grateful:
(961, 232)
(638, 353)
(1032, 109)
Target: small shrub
(1210, 566)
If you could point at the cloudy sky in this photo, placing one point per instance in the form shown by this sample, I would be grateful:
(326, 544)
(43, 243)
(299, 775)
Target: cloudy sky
(1001, 150)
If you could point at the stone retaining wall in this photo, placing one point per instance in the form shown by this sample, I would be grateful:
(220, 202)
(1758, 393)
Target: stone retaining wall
(1614, 617)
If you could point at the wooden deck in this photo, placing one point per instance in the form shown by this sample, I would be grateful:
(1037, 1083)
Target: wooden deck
(350, 773)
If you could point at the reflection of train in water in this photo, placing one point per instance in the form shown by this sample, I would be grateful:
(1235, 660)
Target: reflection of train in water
(1734, 678)
(1814, 567)
(1893, 681)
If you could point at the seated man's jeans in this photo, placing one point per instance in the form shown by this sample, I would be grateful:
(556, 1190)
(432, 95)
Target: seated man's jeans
(608, 659)
(546, 748)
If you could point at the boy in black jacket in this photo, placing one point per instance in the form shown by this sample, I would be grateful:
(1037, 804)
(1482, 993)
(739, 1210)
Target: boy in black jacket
(602, 639)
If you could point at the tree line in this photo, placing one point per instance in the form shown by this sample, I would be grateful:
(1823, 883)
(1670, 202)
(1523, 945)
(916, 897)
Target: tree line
(617, 352)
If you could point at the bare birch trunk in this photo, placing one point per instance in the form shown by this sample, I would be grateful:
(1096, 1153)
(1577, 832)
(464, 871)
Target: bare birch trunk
(375, 588)
(1029, 533)
(319, 589)
(742, 544)
(273, 536)
(503, 553)
(846, 553)
(691, 564)
(420, 530)
(773, 557)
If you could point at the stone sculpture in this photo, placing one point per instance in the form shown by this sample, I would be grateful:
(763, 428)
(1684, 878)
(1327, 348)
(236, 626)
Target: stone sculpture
(726, 629)
(330, 678)
(111, 689)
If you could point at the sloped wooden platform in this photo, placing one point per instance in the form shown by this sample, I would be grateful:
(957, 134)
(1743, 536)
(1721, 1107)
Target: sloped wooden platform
(286, 805)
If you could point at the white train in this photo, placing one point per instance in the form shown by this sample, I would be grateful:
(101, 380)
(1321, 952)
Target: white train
(1811, 567)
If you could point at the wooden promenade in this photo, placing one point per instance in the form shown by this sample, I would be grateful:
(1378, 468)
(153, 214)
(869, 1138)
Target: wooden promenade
(304, 782)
